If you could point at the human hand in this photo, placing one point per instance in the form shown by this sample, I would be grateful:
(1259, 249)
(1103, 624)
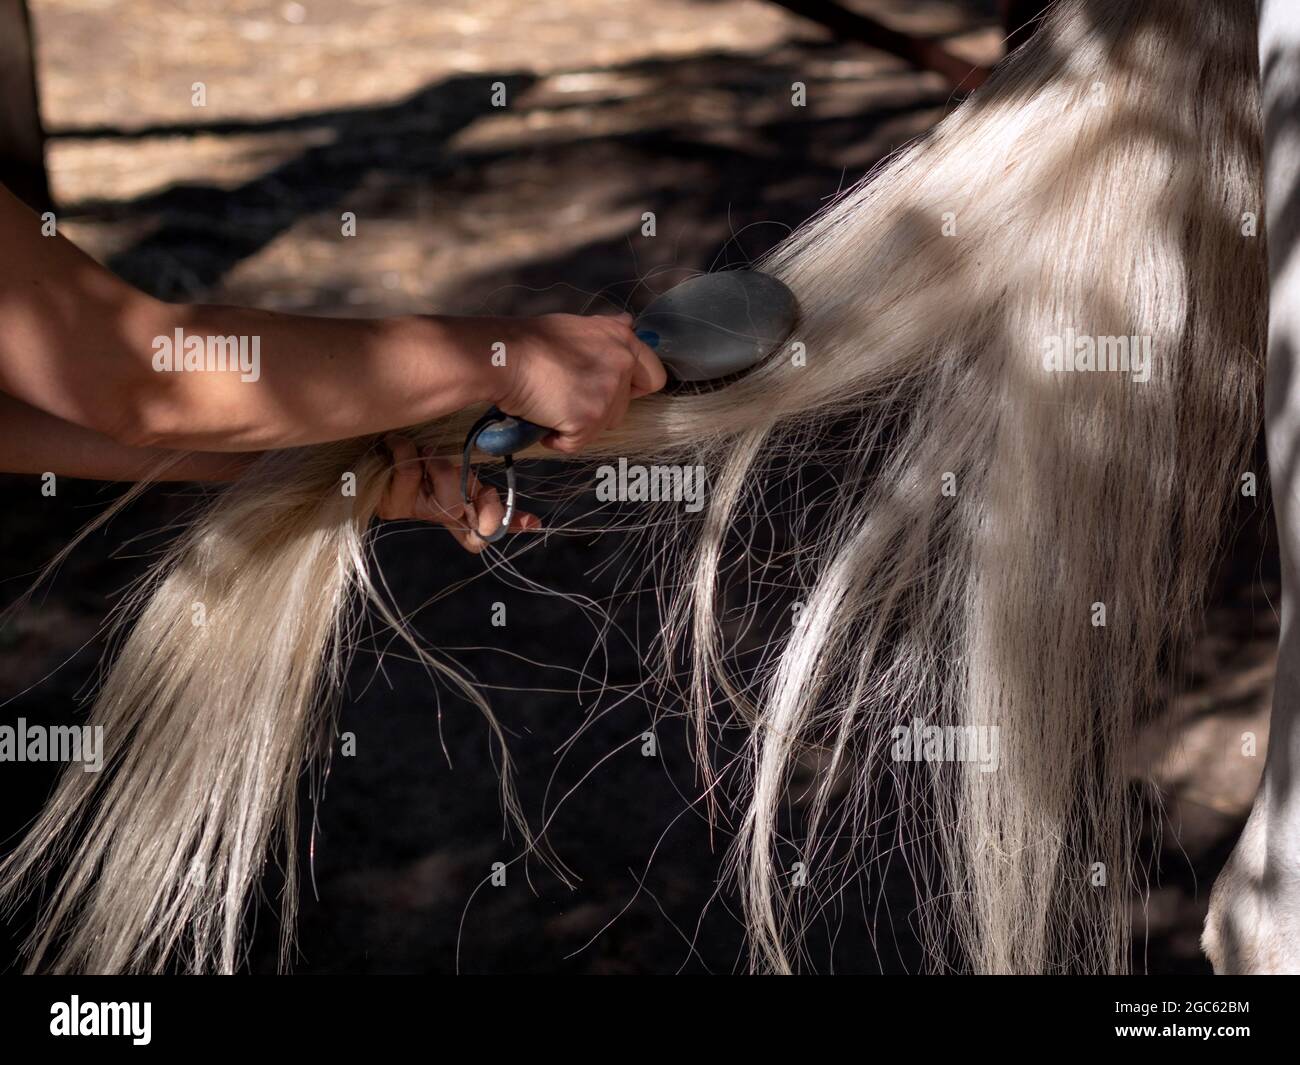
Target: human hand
(575, 374)
(428, 489)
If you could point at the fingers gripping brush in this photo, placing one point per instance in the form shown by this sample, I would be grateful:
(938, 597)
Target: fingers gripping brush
(707, 328)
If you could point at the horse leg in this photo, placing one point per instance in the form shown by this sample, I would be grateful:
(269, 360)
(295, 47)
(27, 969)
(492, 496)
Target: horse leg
(1254, 920)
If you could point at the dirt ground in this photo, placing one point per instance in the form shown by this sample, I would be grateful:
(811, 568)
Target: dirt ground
(680, 107)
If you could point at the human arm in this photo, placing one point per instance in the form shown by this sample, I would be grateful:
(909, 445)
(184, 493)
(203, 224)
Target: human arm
(80, 344)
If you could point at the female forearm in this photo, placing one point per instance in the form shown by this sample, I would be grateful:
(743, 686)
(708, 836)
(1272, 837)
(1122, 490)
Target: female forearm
(86, 347)
(291, 380)
(150, 374)
(32, 441)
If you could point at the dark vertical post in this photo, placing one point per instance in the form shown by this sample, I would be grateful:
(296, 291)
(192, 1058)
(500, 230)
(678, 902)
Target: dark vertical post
(22, 142)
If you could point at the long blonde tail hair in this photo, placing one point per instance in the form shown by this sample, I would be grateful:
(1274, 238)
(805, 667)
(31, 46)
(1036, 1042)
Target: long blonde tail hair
(1020, 542)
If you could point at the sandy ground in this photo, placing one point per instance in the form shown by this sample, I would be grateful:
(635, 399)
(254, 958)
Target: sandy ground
(680, 107)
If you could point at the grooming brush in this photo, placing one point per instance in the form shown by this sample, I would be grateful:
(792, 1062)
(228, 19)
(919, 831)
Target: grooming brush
(710, 327)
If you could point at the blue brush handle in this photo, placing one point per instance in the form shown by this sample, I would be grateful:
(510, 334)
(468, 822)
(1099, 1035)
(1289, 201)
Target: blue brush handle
(510, 434)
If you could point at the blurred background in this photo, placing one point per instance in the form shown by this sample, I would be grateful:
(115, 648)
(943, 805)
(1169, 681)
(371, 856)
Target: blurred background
(677, 107)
